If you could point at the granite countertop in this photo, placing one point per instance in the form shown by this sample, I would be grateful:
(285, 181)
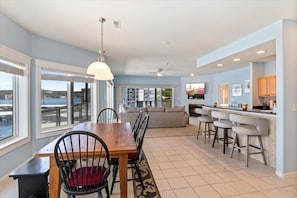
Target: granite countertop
(258, 111)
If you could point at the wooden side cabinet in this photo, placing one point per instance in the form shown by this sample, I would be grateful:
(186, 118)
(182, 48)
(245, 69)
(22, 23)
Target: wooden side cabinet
(267, 86)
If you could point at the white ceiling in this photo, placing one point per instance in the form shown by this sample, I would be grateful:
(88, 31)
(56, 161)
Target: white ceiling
(153, 34)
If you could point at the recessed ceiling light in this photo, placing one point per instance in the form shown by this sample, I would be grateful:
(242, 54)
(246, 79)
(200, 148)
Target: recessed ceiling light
(261, 51)
(236, 59)
(192, 74)
(220, 64)
(117, 24)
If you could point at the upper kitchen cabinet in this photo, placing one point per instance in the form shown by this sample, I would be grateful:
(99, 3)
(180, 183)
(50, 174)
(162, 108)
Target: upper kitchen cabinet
(267, 86)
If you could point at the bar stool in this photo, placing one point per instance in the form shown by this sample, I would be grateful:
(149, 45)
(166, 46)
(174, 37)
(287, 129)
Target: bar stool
(206, 120)
(221, 121)
(251, 127)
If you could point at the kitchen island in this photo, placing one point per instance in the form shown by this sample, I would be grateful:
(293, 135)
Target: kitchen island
(269, 141)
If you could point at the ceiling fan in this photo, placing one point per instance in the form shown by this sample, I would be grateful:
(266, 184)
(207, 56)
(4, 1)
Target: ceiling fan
(159, 72)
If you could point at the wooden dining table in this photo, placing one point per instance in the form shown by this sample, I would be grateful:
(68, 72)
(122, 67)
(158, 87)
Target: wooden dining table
(119, 140)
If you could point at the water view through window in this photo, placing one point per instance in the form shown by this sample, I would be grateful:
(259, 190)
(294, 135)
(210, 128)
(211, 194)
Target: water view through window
(64, 103)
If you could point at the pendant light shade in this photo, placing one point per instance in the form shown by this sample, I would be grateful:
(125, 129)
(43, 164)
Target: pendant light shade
(99, 69)
(104, 76)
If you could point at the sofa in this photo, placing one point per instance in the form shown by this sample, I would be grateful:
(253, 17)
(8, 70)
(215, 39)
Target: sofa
(160, 117)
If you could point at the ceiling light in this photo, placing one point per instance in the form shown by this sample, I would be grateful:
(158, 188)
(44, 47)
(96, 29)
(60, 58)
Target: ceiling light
(99, 69)
(116, 24)
(261, 51)
(192, 74)
(159, 74)
(236, 59)
(220, 64)
(104, 76)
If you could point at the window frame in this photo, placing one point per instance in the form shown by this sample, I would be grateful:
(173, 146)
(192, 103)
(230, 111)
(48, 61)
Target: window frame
(21, 88)
(58, 67)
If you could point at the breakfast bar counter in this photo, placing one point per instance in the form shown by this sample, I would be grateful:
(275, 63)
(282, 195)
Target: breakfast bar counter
(254, 112)
(269, 141)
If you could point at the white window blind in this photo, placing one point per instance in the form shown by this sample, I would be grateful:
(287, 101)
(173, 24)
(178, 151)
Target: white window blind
(62, 72)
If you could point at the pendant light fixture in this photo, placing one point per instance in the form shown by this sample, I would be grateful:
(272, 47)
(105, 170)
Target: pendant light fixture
(99, 69)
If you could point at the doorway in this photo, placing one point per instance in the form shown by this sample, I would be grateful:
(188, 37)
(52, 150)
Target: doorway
(223, 95)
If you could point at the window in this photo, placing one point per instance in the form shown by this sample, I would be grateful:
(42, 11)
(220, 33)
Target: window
(155, 97)
(65, 97)
(14, 99)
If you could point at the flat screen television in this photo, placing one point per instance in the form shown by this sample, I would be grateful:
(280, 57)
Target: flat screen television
(195, 90)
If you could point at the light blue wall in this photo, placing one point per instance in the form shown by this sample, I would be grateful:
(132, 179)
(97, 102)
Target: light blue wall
(236, 76)
(231, 77)
(17, 38)
(14, 36)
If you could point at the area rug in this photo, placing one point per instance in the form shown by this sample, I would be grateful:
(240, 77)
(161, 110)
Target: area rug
(189, 130)
(151, 189)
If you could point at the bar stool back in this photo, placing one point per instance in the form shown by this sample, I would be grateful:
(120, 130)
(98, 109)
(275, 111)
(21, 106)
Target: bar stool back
(206, 120)
(251, 127)
(221, 121)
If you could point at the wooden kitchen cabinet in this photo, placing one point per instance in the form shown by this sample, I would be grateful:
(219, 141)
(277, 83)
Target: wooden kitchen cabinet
(267, 86)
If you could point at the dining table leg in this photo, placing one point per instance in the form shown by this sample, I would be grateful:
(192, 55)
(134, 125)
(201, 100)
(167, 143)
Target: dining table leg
(123, 165)
(55, 179)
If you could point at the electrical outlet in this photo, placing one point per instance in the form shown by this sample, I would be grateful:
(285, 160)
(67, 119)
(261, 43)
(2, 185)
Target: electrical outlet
(294, 107)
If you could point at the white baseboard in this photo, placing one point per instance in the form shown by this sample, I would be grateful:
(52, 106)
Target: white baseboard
(290, 174)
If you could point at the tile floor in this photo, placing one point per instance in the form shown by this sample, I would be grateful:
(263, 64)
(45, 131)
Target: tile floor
(186, 168)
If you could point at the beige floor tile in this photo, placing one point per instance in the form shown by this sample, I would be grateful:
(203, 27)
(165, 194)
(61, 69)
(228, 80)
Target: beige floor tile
(158, 153)
(206, 192)
(170, 153)
(158, 174)
(154, 166)
(208, 161)
(180, 164)
(289, 191)
(262, 171)
(167, 194)
(165, 165)
(195, 180)
(181, 152)
(162, 159)
(193, 162)
(243, 174)
(174, 158)
(162, 184)
(185, 193)
(228, 176)
(188, 156)
(250, 195)
(291, 180)
(170, 173)
(274, 181)
(216, 168)
(188, 171)
(212, 178)
(276, 193)
(242, 187)
(202, 169)
(225, 189)
(178, 182)
(258, 184)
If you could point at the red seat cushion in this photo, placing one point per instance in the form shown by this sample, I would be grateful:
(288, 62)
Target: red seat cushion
(86, 176)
